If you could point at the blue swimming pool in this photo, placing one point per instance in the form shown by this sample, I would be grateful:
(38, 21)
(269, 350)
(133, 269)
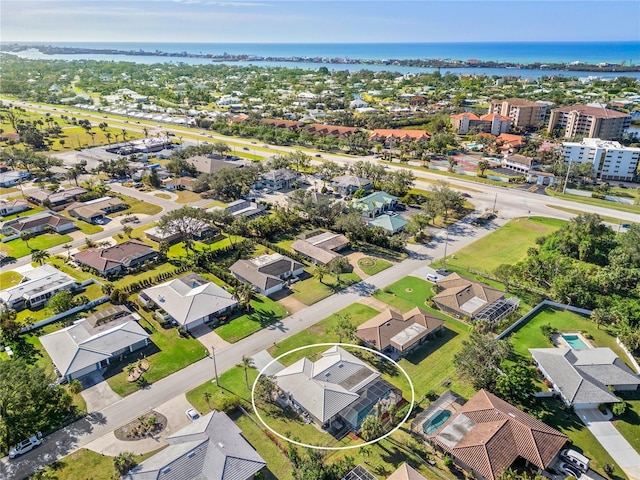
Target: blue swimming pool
(436, 421)
(575, 342)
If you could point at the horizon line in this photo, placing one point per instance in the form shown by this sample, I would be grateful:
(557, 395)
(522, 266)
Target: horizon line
(323, 43)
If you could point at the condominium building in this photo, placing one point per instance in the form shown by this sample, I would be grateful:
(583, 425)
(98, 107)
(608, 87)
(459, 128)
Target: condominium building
(492, 123)
(593, 122)
(523, 113)
(611, 160)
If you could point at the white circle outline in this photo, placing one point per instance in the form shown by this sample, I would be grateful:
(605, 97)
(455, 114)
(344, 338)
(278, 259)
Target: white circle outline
(370, 442)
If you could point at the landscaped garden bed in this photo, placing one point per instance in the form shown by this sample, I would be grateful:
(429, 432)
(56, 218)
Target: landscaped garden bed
(147, 425)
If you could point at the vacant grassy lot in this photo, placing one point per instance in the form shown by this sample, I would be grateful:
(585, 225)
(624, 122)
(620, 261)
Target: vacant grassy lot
(168, 353)
(319, 333)
(623, 207)
(406, 294)
(371, 266)
(508, 244)
(311, 290)
(605, 218)
(264, 312)
(19, 248)
(185, 196)
(136, 206)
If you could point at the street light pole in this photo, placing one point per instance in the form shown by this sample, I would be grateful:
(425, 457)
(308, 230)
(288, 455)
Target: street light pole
(215, 367)
(495, 199)
(446, 243)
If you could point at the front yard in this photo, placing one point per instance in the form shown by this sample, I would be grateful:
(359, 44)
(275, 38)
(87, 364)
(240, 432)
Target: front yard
(19, 248)
(371, 265)
(312, 290)
(264, 312)
(406, 294)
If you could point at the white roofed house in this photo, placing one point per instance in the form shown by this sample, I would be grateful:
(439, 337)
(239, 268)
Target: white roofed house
(91, 343)
(339, 390)
(37, 286)
(190, 300)
(211, 448)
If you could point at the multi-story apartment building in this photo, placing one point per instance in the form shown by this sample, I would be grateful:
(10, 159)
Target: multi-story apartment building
(611, 160)
(593, 122)
(523, 113)
(492, 123)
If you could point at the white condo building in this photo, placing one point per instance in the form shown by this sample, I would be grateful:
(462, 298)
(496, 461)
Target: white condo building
(611, 160)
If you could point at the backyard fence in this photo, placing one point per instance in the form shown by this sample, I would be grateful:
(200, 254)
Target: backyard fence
(71, 311)
(628, 354)
(545, 303)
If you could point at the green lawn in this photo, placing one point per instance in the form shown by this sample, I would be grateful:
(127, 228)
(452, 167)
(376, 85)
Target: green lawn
(59, 262)
(264, 312)
(86, 464)
(32, 209)
(148, 273)
(167, 354)
(629, 423)
(88, 228)
(136, 206)
(605, 218)
(19, 248)
(508, 244)
(380, 252)
(9, 279)
(371, 266)
(530, 335)
(622, 207)
(406, 294)
(185, 196)
(311, 290)
(231, 383)
(358, 314)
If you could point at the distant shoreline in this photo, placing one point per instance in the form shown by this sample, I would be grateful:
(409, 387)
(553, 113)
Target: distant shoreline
(424, 63)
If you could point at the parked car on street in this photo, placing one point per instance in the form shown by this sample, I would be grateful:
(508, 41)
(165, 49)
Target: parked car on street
(26, 446)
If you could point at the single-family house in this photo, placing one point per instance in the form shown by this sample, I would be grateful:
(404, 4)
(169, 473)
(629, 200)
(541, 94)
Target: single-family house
(320, 247)
(211, 448)
(267, 273)
(464, 298)
(374, 204)
(87, 346)
(585, 378)
(337, 391)
(11, 178)
(392, 223)
(57, 199)
(406, 472)
(116, 259)
(173, 231)
(210, 165)
(94, 211)
(348, 184)
(38, 223)
(190, 300)
(392, 332)
(37, 286)
(11, 207)
(182, 183)
(246, 208)
(280, 179)
(487, 435)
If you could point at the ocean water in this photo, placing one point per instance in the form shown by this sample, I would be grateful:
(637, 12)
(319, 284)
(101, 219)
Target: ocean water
(551, 52)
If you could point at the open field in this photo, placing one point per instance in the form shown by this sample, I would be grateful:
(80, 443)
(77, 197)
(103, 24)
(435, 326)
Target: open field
(406, 294)
(136, 206)
(264, 312)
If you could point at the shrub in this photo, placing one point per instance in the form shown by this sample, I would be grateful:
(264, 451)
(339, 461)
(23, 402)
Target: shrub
(448, 462)
(548, 331)
(229, 404)
(619, 408)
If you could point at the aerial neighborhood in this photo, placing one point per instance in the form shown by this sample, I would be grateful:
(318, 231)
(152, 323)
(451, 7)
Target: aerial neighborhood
(240, 272)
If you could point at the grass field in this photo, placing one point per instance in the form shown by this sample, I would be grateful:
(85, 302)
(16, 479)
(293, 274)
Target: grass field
(168, 353)
(406, 294)
(311, 290)
(508, 244)
(185, 196)
(9, 279)
(605, 218)
(136, 206)
(371, 266)
(622, 207)
(19, 248)
(264, 312)
(148, 273)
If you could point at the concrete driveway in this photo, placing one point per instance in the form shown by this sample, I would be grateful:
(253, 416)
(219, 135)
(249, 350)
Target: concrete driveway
(97, 392)
(262, 359)
(612, 441)
(209, 338)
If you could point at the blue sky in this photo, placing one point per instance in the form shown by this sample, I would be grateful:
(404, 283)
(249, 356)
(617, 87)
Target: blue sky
(300, 21)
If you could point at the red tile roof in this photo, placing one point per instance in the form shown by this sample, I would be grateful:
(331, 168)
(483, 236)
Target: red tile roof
(401, 134)
(491, 116)
(460, 116)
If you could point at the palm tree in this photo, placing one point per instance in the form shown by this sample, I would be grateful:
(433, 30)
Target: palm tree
(244, 294)
(124, 135)
(39, 256)
(67, 247)
(107, 288)
(321, 271)
(108, 136)
(25, 237)
(75, 387)
(483, 165)
(247, 362)
(207, 398)
(145, 130)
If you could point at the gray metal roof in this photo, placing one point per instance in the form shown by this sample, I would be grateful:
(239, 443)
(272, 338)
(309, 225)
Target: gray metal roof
(583, 376)
(36, 282)
(211, 448)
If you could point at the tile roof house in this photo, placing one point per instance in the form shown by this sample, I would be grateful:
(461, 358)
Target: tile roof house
(583, 377)
(374, 204)
(267, 273)
(591, 121)
(321, 247)
(83, 348)
(347, 184)
(462, 298)
(337, 390)
(38, 285)
(117, 258)
(38, 223)
(405, 472)
(190, 300)
(181, 183)
(488, 434)
(397, 333)
(211, 448)
(337, 131)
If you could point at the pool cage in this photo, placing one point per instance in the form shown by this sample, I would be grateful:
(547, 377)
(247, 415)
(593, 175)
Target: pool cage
(447, 401)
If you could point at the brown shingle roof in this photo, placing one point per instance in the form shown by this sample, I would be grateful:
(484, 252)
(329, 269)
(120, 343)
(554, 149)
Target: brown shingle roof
(497, 434)
(104, 259)
(52, 220)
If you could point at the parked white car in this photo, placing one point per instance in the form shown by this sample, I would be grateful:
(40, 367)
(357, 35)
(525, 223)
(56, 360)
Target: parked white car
(26, 446)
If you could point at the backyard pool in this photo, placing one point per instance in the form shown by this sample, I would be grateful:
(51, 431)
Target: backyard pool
(575, 342)
(436, 421)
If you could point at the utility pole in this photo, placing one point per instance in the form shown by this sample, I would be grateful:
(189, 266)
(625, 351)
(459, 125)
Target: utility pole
(446, 243)
(566, 179)
(495, 199)
(215, 367)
